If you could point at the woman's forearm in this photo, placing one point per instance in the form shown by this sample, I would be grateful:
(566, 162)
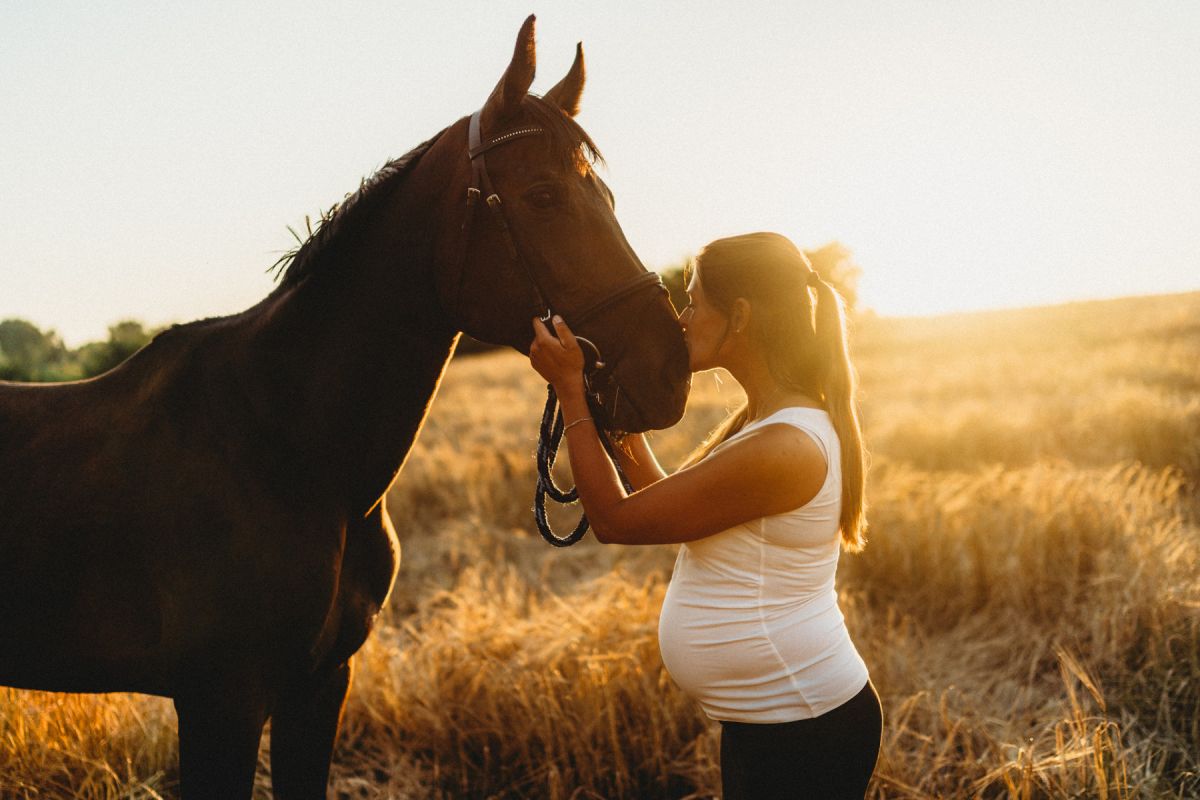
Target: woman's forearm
(640, 466)
(595, 476)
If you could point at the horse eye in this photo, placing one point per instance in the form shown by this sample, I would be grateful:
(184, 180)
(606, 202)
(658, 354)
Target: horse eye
(542, 198)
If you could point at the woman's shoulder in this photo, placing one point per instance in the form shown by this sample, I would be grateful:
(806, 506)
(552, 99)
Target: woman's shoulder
(783, 464)
(803, 421)
(793, 423)
(795, 414)
(782, 434)
(806, 418)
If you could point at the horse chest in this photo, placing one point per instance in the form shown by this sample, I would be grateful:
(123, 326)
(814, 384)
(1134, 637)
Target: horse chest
(370, 561)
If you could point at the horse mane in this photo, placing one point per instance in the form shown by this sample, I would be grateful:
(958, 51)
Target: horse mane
(571, 142)
(301, 261)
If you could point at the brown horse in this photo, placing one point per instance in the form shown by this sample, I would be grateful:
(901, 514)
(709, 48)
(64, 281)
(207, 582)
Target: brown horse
(206, 522)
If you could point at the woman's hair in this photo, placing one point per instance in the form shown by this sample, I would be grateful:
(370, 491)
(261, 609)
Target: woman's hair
(804, 343)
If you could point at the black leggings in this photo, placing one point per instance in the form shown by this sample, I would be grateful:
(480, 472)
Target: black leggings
(829, 757)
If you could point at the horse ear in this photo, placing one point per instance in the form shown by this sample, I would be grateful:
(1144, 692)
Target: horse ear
(515, 82)
(566, 93)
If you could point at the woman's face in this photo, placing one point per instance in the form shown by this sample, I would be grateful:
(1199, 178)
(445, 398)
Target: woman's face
(704, 328)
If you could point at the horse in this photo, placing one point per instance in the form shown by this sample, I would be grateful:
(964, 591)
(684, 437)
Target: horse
(207, 521)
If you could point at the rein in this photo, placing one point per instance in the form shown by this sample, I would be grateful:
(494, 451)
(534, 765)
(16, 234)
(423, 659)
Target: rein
(597, 372)
(549, 438)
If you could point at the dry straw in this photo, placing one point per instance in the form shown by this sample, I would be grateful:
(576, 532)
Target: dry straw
(1029, 600)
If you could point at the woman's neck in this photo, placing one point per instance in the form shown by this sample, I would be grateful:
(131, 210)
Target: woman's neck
(764, 395)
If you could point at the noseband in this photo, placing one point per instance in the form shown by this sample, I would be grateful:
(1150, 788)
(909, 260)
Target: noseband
(596, 372)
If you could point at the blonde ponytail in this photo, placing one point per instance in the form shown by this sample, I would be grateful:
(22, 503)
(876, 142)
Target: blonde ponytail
(839, 384)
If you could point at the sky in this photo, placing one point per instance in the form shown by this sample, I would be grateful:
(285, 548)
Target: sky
(970, 154)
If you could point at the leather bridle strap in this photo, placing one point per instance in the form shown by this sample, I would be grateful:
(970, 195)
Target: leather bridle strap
(481, 186)
(481, 182)
(634, 286)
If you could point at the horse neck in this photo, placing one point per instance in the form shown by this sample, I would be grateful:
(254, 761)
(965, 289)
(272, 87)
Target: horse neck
(354, 353)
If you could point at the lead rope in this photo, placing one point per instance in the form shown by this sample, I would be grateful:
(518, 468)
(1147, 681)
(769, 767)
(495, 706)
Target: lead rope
(549, 439)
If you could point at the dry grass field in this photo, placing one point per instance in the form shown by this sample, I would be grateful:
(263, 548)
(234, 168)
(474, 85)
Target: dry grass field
(1029, 600)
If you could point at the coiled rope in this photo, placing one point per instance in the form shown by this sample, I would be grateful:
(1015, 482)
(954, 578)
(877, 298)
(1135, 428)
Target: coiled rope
(549, 438)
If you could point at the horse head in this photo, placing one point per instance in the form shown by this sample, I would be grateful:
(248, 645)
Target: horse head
(534, 231)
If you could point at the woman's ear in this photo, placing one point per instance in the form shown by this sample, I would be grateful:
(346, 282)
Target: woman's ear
(739, 315)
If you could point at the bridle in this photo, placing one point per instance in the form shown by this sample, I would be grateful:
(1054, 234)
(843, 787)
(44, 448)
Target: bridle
(597, 369)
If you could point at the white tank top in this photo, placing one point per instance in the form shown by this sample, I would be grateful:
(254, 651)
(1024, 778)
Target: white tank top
(750, 625)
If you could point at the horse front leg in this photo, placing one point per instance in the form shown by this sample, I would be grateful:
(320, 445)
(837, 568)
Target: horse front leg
(304, 727)
(219, 734)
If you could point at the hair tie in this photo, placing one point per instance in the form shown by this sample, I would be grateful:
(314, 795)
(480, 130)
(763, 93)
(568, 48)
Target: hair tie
(814, 280)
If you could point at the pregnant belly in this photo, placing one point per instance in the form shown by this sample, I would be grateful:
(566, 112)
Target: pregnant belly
(745, 663)
(706, 649)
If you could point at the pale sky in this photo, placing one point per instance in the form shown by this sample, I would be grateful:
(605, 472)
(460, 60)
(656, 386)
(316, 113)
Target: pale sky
(971, 154)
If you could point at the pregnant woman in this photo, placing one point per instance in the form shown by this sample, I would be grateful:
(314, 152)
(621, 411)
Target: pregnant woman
(750, 626)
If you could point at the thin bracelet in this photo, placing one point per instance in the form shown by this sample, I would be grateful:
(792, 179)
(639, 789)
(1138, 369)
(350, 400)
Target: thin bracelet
(570, 425)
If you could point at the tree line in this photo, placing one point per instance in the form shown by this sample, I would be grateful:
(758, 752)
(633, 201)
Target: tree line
(28, 353)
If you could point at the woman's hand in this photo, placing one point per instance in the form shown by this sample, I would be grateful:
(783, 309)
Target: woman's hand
(559, 361)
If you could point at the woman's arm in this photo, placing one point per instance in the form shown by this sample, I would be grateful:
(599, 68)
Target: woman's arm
(768, 471)
(640, 466)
